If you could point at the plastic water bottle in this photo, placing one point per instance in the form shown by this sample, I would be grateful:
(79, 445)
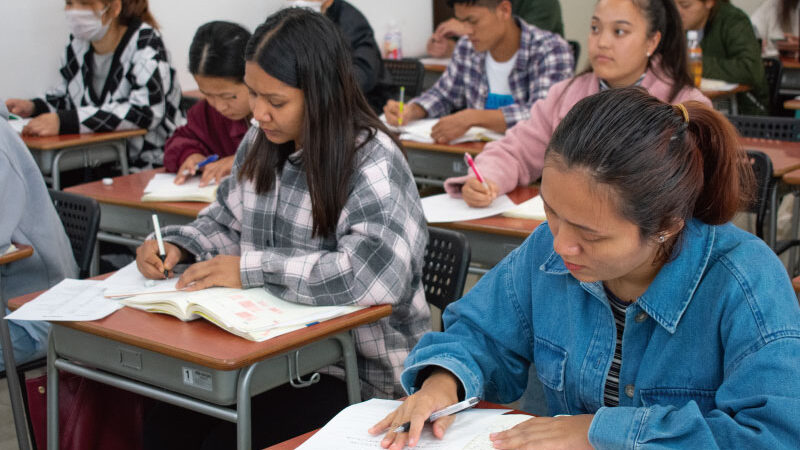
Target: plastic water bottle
(393, 42)
(695, 57)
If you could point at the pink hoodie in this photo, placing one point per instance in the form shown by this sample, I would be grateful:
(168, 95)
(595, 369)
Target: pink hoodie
(517, 159)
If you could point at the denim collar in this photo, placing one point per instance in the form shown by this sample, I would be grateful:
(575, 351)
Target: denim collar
(669, 294)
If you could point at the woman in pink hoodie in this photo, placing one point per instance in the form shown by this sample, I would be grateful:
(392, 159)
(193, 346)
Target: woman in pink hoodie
(632, 42)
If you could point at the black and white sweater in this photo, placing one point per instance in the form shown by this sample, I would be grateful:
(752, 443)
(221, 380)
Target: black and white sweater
(141, 91)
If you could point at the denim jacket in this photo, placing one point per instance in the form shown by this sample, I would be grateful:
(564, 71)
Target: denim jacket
(710, 352)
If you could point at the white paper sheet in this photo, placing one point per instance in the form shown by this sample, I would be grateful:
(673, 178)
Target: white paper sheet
(420, 131)
(444, 208)
(72, 300)
(529, 209)
(435, 61)
(128, 281)
(500, 423)
(18, 124)
(11, 248)
(349, 428)
(162, 186)
(708, 84)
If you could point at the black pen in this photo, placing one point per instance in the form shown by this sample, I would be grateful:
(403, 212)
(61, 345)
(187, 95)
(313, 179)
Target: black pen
(452, 409)
(161, 252)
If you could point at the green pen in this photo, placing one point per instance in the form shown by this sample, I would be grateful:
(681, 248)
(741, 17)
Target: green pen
(12, 116)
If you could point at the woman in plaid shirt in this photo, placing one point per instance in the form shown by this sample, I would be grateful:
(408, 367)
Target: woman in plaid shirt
(320, 209)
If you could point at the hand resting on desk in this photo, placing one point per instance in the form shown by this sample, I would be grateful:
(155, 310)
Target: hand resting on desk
(46, 124)
(221, 270)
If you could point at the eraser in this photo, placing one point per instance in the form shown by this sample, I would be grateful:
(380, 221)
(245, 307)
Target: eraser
(108, 181)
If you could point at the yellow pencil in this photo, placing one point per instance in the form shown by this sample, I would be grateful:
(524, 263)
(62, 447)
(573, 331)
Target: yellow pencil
(402, 102)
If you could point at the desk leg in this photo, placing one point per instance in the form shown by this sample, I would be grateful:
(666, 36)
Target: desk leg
(243, 410)
(734, 106)
(350, 367)
(14, 390)
(52, 394)
(122, 153)
(55, 171)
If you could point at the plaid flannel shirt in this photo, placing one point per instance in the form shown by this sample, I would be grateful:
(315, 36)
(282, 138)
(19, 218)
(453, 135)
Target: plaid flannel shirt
(374, 257)
(141, 91)
(543, 59)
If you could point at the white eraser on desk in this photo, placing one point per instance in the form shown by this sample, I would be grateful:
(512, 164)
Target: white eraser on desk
(108, 181)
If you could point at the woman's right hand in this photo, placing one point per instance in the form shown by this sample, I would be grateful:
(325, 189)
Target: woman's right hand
(187, 169)
(438, 391)
(149, 262)
(20, 107)
(477, 195)
(411, 112)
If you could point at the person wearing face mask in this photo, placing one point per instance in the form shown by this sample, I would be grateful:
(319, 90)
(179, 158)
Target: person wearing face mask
(115, 75)
(357, 32)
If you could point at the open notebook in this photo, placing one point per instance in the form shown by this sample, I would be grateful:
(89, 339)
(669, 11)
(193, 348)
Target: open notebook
(470, 430)
(420, 131)
(162, 188)
(253, 314)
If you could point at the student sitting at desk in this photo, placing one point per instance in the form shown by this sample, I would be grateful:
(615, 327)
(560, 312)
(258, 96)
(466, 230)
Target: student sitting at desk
(321, 209)
(218, 122)
(730, 49)
(652, 320)
(776, 20)
(500, 68)
(631, 42)
(28, 218)
(543, 14)
(116, 75)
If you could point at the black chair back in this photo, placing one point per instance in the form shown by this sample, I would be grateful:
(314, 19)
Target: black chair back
(575, 47)
(772, 72)
(765, 127)
(447, 257)
(403, 72)
(81, 218)
(762, 168)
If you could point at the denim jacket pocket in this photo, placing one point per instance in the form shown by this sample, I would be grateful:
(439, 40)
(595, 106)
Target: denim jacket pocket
(679, 397)
(551, 365)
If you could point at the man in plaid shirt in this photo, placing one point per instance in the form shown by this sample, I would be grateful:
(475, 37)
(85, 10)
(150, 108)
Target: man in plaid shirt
(498, 70)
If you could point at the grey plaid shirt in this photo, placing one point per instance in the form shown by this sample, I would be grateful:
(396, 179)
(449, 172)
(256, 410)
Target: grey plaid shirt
(374, 257)
(543, 59)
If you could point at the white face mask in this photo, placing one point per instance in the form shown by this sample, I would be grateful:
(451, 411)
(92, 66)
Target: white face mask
(312, 5)
(86, 25)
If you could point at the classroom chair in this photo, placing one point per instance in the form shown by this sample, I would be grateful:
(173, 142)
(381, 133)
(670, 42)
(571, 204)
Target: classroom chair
(404, 72)
(772, 72)
(762, 168)
(575, 47)
(447, 257)
(765, 127)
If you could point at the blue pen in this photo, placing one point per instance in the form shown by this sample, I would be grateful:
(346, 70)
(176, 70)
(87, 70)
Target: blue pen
(208, 160)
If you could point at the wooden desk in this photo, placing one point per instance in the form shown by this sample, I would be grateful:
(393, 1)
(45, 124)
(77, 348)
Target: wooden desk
(492, 238)
(14, 388)
(196, 365)
(54, 154)
(293, 443)
(793, 104)
(124, 218)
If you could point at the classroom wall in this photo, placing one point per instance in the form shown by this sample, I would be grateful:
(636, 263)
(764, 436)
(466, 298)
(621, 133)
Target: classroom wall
(33, 33)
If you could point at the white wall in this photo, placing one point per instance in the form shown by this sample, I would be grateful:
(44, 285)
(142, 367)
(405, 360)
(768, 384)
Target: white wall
(33, 33)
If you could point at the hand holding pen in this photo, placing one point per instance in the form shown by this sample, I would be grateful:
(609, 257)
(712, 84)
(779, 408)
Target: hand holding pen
(155, 259)
(192, 164)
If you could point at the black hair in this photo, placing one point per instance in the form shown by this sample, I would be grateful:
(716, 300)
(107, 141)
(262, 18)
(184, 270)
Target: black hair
(306, 50)
(491, 4)
(663, 168)
(217, 50)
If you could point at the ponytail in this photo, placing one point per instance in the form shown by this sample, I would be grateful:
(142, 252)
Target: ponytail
(666, 163)
(134, 10)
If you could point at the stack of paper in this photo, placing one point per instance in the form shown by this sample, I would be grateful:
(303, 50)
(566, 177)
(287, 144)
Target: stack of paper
(529, 209)
(469, 431)
(444, 208)
(420, 131)
(162, 188)
(71, 300)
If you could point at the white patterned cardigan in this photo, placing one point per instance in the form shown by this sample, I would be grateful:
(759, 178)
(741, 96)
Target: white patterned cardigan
(141, 91)
(375, 255)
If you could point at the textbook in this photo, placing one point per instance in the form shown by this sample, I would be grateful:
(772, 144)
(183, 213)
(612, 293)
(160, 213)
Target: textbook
(469, 431)
(162, 188)
(532, 208)
(253, 314)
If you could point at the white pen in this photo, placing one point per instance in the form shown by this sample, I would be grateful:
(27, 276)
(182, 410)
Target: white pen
(161, 252)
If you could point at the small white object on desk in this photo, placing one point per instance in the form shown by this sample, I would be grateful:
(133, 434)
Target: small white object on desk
(108, 181)
(11, 248)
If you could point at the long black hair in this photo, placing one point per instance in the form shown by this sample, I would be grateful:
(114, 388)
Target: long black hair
(667, 163)
(785, 14)
(217, 50)
(305, 50)
(663, 16)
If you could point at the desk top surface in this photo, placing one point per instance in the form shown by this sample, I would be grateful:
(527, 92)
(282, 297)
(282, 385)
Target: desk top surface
(295, 442)
(127, 190)
(22, 252)
(201, 341)
(472, 147)
(792, 104)
(785, 155)
(73, 140)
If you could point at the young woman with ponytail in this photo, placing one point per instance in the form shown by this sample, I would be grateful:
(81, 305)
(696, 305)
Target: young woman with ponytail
(631, 42)
(652, 321)
(115, 75)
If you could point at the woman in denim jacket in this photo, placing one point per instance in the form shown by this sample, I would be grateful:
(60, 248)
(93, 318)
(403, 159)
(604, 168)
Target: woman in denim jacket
(651, 320)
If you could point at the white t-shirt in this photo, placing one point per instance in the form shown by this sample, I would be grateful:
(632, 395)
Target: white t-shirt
(767, 22)
(102, 66)
(498, 72)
